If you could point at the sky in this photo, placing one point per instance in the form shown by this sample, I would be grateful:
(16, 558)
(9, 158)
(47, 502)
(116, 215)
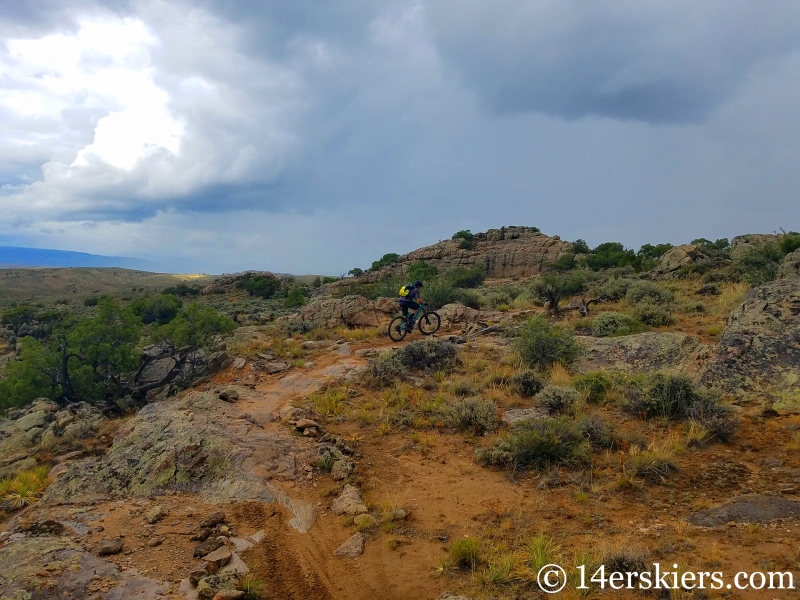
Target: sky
(315, 136)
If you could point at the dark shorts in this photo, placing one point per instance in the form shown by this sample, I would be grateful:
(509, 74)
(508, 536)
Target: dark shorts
(406, 304)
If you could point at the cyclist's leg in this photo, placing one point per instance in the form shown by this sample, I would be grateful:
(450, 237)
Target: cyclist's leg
(413, 306)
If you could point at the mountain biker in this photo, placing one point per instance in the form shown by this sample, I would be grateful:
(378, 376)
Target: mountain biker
(411, 300)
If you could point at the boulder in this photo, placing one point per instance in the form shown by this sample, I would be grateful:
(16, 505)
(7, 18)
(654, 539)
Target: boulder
(37, 418)
(349, 502)
(680, 256)
(342, 469)
(107, 547)
(790, 267)
(759, 350)
(644, 352)
(742, 244)
(219, 557)
(353, 547)
(214, 518)
(209, 586)
(207, 547)
(350, 311)
(229, 395)
(155, 514)
(202, 570)
(276, 367)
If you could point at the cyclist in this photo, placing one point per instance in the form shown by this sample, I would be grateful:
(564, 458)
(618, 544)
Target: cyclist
(411, 300)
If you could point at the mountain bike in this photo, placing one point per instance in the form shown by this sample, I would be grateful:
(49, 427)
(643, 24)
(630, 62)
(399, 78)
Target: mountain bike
(428, 322)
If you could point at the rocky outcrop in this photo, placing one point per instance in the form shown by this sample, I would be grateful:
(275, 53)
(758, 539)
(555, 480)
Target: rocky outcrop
(680, 256)
(759, 351)
(193, 443)
(644, 352)
(750, 508)
(350, 311)
(27, 571)
(790, 267)
(742, 244)
(43, 425)
(507, 252)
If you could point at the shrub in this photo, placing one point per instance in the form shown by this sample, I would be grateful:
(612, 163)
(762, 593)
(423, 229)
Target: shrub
(614, 323)
(789, 242)
(613, 288)
(422, 271)
(91, 301)
(659, 395)
(693, 307)
(716, 418)
(654, 316)
(595, 385)
(557, 398)
(580, 247)
(466, 552)
(467, 239)
(646, 291)
(625, 561)
(159, 309)
(597, 432)
(539, 444)
(472, 414)
(759, 263)
(652, 465)
(295, 298)
(384, 260)
(440, 292)
(423, 355)
(551, 287)
(540, 344)
(461, 277)
(259, 284)
(527, 383)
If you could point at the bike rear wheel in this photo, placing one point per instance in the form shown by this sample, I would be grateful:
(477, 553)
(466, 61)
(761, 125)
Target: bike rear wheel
(429, 323)
(398, 329)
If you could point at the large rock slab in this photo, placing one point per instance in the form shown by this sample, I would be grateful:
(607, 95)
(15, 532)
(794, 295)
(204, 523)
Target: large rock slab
(680, 256)
(742, 244)
(790, 267)
(193, 443)
(353, 547)
(26, 571)
(759, 351)
(644, 352)
(750, 508)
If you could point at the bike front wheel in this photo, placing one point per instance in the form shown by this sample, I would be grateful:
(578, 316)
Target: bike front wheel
(398, 329)
(429, 323)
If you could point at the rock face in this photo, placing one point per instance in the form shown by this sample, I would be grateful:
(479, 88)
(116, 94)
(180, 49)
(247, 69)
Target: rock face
(195, 443)
(349, 502)
(350, 311)
(742, 244)
(674, 259)
(750, 508)
(22, 562)
(644, 352)
(505, 252)
(759, 351)
(790, 267)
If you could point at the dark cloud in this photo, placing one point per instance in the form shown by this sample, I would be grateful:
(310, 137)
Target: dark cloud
(656, 61)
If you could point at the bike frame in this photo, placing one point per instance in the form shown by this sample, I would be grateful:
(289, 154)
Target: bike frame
(420, 310)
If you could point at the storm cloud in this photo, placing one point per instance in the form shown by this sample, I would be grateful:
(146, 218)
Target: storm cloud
(316, 136)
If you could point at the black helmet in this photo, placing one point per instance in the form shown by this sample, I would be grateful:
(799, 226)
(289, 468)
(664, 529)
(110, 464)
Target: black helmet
(417, 283)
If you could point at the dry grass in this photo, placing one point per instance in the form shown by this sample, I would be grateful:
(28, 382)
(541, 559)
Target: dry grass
(559, 375)
(356, 335)
(25, 488)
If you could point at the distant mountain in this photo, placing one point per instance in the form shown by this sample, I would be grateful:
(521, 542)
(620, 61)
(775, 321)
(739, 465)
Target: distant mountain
(12, 257)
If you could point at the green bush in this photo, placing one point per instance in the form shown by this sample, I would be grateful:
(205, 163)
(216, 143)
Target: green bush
(597, 432)
(613, 288)
(609, 255)
(552, 287)
(646, 291)
(467, 239)
(789, 242)
(527, 383)
(182, 290)
(759, 263)
(471, 414)
(259, 284)
(295, 298)
(386, 259)
(423, 355)
(540, 344)
(159, 309)
(652, 315)
(422, 271)
(580, 247)
(614, 323)
(437, 293)
(557, 398)
(92, 301)
(461, 277)
(539, 444)
(596, 385)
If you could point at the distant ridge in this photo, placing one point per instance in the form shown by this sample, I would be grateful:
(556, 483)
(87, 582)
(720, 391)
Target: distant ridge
(14, 257)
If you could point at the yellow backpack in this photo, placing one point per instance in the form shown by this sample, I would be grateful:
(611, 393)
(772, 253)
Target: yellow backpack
(404, 291)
